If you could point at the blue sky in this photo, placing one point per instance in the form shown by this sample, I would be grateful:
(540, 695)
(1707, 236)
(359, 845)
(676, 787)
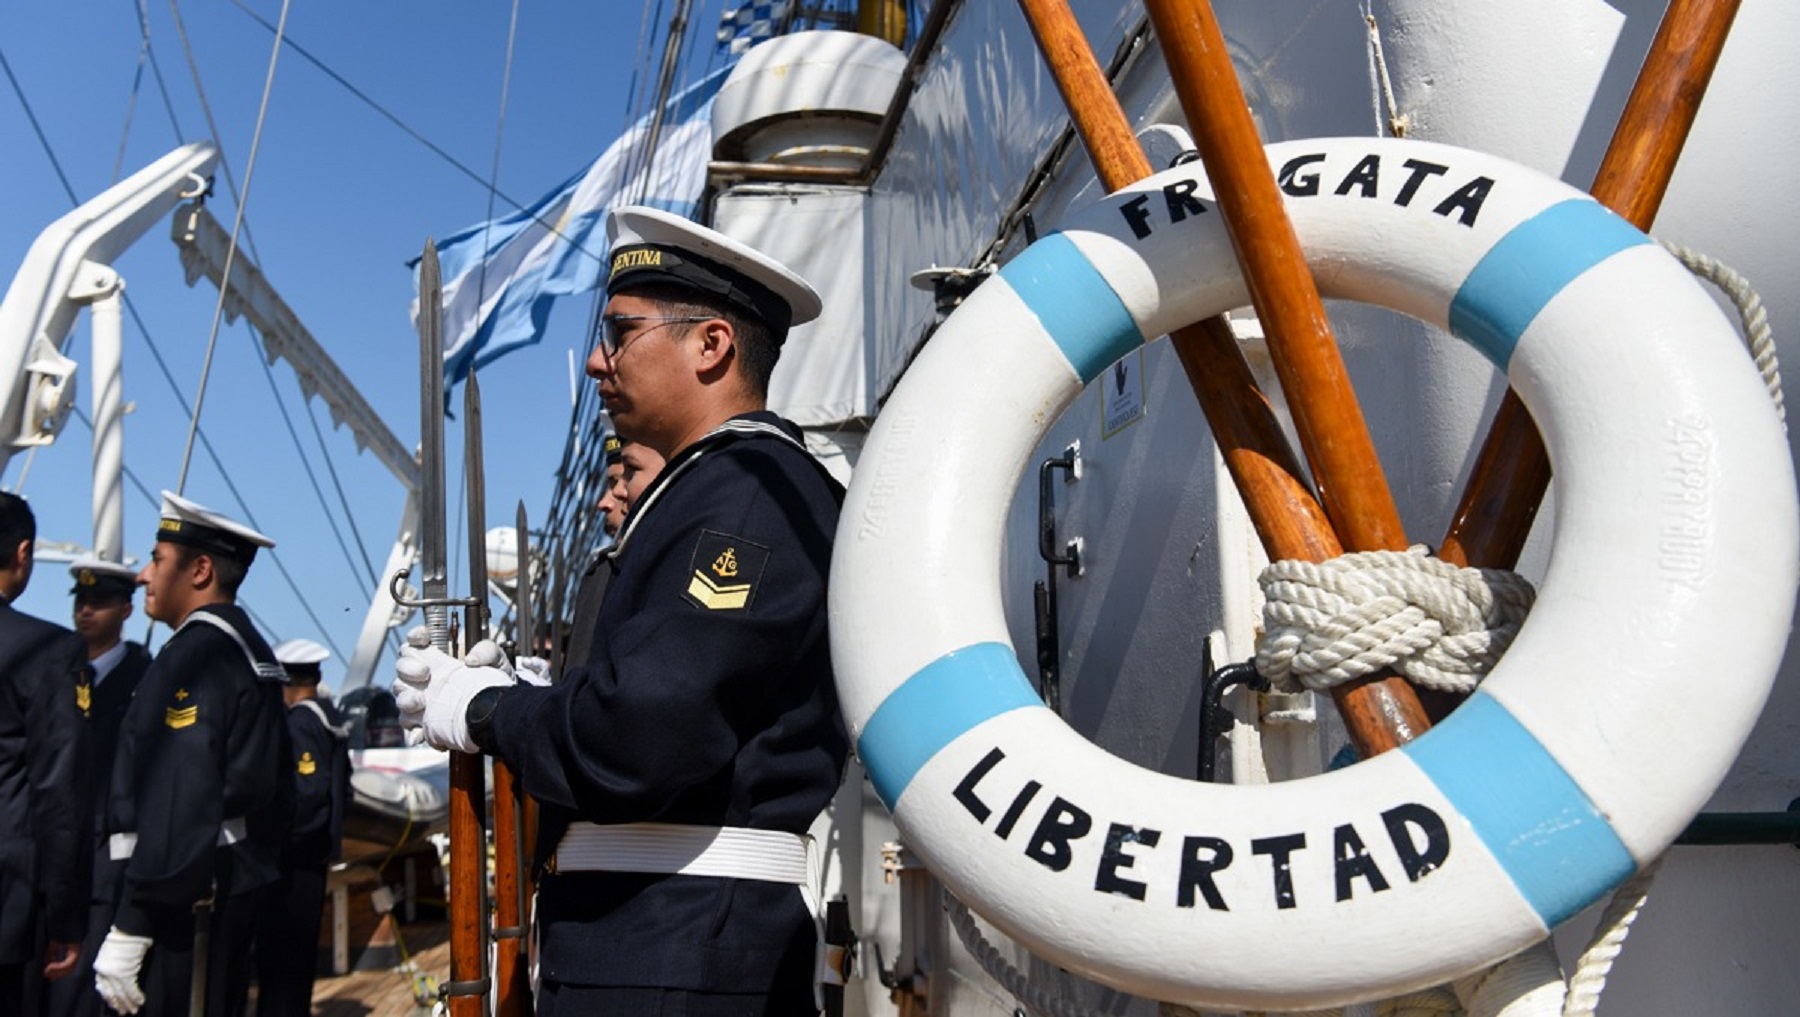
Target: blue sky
(339, 199)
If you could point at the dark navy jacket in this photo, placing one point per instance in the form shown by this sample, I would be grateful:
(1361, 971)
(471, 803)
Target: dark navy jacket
(107, 704)
(320, 765)
(203, 742)
(707, 699)
(43, 785)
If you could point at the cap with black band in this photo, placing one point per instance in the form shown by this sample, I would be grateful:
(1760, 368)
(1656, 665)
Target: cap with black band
(194, 525)
(650, 246)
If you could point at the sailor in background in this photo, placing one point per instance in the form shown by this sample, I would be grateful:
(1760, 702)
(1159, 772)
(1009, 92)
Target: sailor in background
(200, 788)
(103, 592)
(612, 508)
(631, 466)
(287, 927)
(680, 762)
(43, 779)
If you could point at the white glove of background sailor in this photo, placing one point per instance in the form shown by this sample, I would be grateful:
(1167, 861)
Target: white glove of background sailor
(116, 969)
(433, 692)
(530, 670)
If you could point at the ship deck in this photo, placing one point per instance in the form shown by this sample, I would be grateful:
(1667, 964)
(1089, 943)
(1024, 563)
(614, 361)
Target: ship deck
(389, 991)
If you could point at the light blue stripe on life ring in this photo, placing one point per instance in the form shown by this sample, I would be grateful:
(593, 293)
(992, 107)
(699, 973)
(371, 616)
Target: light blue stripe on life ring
(934, 707)
(1075, 303)
(1559, 850)
(1529, 267)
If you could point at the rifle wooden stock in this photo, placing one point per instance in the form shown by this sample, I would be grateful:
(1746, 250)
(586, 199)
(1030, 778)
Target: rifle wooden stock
(1380, 712)
(468, 885)
(512, 982)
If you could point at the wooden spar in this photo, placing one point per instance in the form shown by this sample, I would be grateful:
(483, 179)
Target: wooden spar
(1512, 471)
(1324, 407)
(1380, 713)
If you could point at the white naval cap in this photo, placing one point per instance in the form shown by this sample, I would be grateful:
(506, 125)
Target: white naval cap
(187, 522)
(301, 651)
(650, 245)
(301, 658)
(97, 575)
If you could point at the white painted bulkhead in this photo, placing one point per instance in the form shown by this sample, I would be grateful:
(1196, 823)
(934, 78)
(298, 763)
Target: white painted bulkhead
(1167, 557)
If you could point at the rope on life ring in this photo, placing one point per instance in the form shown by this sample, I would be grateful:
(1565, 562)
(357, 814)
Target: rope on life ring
(1674, 555)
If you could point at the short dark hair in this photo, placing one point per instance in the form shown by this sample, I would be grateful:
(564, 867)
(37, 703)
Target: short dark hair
(228, 573)
(17, 524)
(759, 348)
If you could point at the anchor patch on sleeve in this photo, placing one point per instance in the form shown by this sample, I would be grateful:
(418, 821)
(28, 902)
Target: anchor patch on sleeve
(307, 766)
(726, 571)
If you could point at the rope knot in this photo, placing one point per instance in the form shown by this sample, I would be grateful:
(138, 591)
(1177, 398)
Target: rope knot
(1440, 626)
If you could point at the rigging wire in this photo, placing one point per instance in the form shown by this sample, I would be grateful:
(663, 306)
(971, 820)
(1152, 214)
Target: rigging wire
(512, 34)
(237, 225)
(349, 515)
(362, 546)
(130, 306)
(546, 223)
(293, 434)
(156, 355)
(38, 129)
(137, 81)
(487, 222)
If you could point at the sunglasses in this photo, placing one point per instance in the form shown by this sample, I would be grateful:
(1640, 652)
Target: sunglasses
(611, 325)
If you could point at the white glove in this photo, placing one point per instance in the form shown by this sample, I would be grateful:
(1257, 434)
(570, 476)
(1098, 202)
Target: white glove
(530, 670)
(433, 690)
(116, 969)
(533, 671)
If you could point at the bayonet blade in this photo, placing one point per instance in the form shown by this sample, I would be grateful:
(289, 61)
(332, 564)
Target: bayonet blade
(527, 634)
(475, 621)
(434, 581)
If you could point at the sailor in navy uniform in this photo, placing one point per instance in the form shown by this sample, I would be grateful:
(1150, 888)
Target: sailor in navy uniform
(679, 765)
(43, 779)
(592, 587)
(103, 593)
(200, 796)
(287, 926)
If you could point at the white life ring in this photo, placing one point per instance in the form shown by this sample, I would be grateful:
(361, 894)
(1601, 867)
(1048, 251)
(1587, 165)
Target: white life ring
(1673, 568)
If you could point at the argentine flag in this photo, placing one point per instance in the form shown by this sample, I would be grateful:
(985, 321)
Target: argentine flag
(500, 277)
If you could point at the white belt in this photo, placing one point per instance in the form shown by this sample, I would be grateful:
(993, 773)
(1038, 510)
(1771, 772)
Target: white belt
(120, 845)
(736, 852)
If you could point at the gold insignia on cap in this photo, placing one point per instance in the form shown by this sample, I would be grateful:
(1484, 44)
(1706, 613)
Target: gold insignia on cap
(307, 766)
(169, 526)
(178, 719)
(637, 257)
(86, 577)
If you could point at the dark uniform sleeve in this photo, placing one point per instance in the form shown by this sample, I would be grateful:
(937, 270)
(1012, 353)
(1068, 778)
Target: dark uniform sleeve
(56, 749)
(314, 771)
(719, 593)
(181, 719)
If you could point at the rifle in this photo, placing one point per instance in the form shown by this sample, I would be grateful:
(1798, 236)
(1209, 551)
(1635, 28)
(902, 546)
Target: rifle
(512, 822)
(508, 931)
(468, 985)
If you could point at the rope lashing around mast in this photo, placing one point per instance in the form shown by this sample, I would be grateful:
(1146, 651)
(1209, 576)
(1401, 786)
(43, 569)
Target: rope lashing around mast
(1440, 626)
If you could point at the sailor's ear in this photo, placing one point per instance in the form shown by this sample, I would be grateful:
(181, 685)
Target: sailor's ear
(718, 340)
(200, 570)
